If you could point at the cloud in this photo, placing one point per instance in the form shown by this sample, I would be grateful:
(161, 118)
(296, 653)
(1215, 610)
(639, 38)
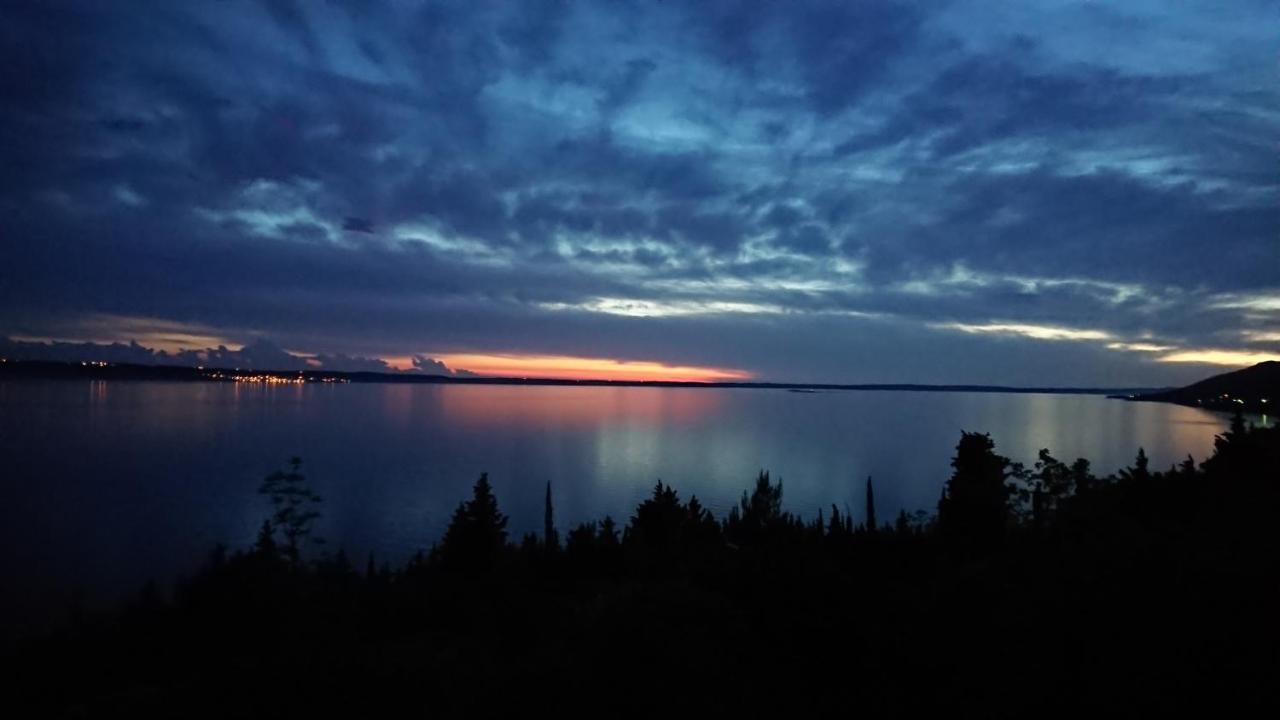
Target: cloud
(780, 187)
(431, 366)
(258, 355)
(1039, 332)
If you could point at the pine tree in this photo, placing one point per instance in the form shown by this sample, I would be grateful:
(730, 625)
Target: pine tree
(764, 506)
(836, 528)
(871, 507)
(608, 535)
(477, 534)
(1140, 471)
(550, 538)
(266, 544)
(295, 507)
(902, 527)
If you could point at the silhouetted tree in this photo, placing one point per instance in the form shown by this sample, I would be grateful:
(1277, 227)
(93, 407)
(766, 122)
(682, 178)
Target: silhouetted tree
(531, 550)
(1081, 478)
(295, 507)
(1246, 454)
(1048, 484)
(477, 534)
(582, 539)
(608, 532)
(654, 532)
(609, 545)
(581, 549)
(764, 506)
(902, 526)
(871, 507)
(701, 528)
(1140, 472)
(816, 530)
(836, 526)
(974, 506)
(761, 511)
(550, 538)
(1186, 468)
(266, 543)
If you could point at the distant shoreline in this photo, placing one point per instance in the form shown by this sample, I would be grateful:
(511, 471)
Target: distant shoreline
(127, 371)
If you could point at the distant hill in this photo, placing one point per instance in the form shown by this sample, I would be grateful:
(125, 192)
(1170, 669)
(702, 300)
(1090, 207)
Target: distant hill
(1253, 389)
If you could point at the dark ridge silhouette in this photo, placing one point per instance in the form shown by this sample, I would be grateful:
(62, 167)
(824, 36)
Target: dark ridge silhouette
(1254, 389)
(1146, 592)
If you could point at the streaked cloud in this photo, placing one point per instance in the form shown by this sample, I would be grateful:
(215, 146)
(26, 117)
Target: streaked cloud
(1038, 332)
(155, 334)
(1139, 347)
(658, 308)
(1236, 358)
(1259, 302)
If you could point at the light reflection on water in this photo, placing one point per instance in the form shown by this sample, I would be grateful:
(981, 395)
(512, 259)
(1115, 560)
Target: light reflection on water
(108, 483)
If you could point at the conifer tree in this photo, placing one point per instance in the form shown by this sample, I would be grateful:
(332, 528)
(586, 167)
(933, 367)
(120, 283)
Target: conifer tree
(550, 538)
(296, 507)
(871, 507)
(477, 534)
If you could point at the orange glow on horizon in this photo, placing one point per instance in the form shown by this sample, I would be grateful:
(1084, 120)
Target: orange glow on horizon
(398, 362)
(568, 367)
(1236, 358)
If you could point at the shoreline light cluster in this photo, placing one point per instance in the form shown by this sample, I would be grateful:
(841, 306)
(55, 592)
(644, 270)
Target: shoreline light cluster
(267, 379)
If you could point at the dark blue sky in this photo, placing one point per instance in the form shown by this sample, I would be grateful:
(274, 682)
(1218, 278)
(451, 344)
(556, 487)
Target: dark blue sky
(1060, 192)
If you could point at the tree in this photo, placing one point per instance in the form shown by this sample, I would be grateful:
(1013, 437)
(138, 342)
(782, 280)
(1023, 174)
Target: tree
(871, 507)
(1245, 454)
(581, 540)
(608, 532)
(1140, 472)
(975, 502)
(266, 544)
(477, 535)
(701, 527)
(658, 523)
(1081, 477)
(295, 509)
(836, 528)
(550, 538)
(763, 508)
(1050, 483)
(902, 526)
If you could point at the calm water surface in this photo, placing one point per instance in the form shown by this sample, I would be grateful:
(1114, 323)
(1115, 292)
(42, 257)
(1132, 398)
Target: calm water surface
(108, 484)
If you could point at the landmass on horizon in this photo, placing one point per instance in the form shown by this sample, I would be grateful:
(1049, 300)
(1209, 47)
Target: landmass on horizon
(101, 370)
(1254, 389)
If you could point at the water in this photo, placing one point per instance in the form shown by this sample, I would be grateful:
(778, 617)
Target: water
(108, 484)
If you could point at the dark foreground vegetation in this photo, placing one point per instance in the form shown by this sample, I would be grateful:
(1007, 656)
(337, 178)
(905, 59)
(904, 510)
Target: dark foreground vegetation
(1034, 591)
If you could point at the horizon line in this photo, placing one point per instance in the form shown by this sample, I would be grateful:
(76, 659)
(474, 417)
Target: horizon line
(83, 368)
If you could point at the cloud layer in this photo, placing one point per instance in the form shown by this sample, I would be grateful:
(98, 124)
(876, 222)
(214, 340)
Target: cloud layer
(953, 192)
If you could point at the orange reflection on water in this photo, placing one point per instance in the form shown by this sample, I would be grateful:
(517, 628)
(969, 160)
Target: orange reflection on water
(560, 406)
(568, 367)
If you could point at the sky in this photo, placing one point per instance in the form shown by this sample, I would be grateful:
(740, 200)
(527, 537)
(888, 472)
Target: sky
(1044, 192)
